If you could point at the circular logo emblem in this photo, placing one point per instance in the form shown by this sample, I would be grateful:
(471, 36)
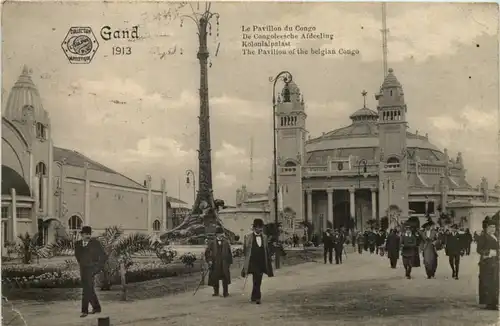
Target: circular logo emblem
(80, 45)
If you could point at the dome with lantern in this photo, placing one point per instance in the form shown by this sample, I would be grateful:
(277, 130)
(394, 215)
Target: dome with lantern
(360, 138)
(24, 100)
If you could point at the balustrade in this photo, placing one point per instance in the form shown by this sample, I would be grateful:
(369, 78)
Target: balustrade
(392, 166)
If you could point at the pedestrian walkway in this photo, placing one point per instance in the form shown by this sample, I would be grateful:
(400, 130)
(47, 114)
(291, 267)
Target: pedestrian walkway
(362, 291)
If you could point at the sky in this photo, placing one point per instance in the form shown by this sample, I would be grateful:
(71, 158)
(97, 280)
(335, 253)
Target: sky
(137, 114)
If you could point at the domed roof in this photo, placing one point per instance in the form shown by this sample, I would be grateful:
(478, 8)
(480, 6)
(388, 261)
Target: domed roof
(391, 80)
(360, 139)
(364, 114)
(24, 93)
(12, 179)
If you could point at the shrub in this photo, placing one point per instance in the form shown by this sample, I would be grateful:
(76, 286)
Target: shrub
(188, 259)
(23, 276)
(237, 252)
(166, 255)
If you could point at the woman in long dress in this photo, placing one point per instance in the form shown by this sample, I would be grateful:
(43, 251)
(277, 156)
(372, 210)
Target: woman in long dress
(429, 238)
(488, 249)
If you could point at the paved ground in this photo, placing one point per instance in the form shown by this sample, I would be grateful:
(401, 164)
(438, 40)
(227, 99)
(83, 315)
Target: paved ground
(362, 291)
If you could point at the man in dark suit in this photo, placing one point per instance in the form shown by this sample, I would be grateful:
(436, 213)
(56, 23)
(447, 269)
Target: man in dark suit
(338, 246)
(91, 257)
(454, 247)
(392, 246)
(257, 258)
(328, 245)
(220, 258)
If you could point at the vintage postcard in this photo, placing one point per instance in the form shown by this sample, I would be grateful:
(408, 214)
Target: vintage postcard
(250, 163)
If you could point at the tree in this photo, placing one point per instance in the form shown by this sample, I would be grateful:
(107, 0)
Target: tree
(276, 246)
(119, 247)
(308, 228)
(27, 247)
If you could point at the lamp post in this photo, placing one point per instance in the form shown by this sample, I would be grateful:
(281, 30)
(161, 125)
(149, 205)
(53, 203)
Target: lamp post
(203, 21)
(59, 190)
(286, 77)
(190, 173)
(361, 163)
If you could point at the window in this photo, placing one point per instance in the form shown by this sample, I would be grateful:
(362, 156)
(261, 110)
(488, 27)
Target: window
(392, 160)
(41, 131)
(5, 212)
(5, 232)
(431, 209)
(74, 225)
(418, 207)
(41, 172)
(24, 212)
(156, 225)
(41, 169)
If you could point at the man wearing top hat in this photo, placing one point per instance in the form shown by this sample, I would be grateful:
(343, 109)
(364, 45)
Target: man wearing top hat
(328, 245)
(257, 258)
(91, 257)
(219, 257)
(453, 249)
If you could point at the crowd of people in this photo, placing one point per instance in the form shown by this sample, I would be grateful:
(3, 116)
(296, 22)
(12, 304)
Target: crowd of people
(411, 241)
(408, 241)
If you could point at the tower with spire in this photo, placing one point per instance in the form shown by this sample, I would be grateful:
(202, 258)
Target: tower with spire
(291, 138)
(392, 125)
(24, 108)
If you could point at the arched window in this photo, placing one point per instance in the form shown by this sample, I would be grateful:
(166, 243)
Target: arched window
(156, 225)
(75, 224)
(41, 169)
(41, 172)
(41, 131)
(392, 160)
(290, 163)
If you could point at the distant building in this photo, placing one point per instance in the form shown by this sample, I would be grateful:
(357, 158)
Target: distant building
(249, 206)
(53, 190)
(370, 169)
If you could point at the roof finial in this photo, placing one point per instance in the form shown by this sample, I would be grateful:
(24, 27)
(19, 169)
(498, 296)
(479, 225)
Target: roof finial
(26, 70)
(364, 93)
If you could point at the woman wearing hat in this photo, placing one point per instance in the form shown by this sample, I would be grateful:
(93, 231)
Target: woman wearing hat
(488, 249)
(429, 241)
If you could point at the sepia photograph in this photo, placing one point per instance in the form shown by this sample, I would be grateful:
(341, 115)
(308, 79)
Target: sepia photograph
(250, 163)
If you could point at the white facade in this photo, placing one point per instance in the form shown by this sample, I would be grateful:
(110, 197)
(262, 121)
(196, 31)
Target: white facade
(370, 169)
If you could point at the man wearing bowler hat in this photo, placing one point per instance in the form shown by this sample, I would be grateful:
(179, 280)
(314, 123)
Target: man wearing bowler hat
(91, 257)
(220, 258)
(453, 249)
(257, 258)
